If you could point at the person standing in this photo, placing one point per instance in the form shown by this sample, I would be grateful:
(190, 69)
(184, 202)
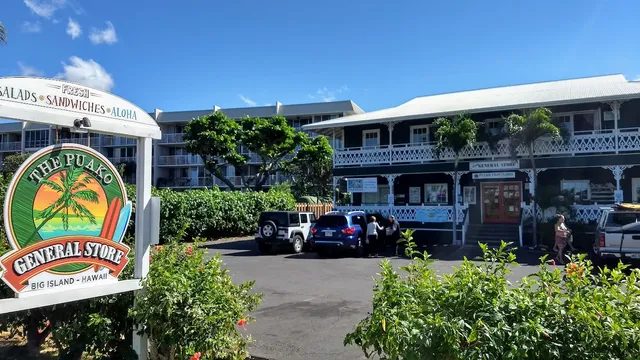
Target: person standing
(561, 238)
(393, 231)
(372, 236)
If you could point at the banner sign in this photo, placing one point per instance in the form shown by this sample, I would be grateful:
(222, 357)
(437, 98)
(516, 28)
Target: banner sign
(495, 175)
(65, 214)
(362, 185)
(494, 165)
(432, 215)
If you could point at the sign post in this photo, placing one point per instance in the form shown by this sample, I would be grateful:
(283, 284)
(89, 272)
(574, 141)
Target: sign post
(66, 209)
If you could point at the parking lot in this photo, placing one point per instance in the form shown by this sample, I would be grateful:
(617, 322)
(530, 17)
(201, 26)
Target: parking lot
(311, 303)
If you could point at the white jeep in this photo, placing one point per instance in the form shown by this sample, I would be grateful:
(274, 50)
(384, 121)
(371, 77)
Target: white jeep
(284, 228)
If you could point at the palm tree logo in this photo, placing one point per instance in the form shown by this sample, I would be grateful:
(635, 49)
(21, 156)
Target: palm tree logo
(71, 189)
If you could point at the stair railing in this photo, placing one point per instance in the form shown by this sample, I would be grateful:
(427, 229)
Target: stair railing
(521, 222)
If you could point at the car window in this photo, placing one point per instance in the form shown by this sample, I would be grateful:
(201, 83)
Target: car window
(312, 218)
(304, 219)
(294, 219)
(621, 219)
(331, 221)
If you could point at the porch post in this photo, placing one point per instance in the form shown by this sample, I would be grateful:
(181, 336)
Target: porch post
(618, 171)
(336, 180)
(456, 184)
(391, 125)
(615, 108)
(391, 178)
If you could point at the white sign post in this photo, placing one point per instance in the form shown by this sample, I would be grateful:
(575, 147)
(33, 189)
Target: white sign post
(74, 106)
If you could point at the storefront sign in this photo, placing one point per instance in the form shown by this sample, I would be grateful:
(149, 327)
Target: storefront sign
(495, 175)
(494, 165)
(362, 185)
(65, 214)
(432, 215)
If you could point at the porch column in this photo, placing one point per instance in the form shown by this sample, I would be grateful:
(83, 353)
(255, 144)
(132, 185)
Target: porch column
(617, 171)
(615, 108)
(391, 178)
(336, 180)
(456, 184)
(391, 125)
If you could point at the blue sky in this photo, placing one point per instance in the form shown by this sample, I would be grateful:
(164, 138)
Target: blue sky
(194, 54)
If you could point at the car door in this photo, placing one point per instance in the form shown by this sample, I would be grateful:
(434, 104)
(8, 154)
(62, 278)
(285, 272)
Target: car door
(305, 225)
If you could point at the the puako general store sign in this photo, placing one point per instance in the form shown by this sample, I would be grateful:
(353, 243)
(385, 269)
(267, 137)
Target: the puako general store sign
(65, 214)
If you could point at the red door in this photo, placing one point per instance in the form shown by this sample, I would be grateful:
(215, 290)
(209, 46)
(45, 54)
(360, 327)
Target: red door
(501, 202)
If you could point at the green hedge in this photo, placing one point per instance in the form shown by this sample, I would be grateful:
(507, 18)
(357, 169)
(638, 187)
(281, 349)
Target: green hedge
(212, 213)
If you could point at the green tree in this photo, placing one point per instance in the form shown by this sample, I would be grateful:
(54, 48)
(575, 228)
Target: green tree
(271, 140)
(12, 163)
(3, 34)
(311, 169)
(523, 132)
(455, 134)
(216, 139)
(71, 190)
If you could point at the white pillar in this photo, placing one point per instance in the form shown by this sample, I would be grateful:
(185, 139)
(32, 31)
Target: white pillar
(391, 178)
(391, 125)
(615, 108)
(23, 138)
(143, 226)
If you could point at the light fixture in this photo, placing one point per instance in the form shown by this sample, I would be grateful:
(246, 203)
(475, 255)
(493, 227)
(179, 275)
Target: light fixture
(84, 122)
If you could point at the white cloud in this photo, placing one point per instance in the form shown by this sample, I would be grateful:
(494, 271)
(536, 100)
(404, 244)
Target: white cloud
(87, 72)
(45, 8)
(73, 29)
(26, 70)
(104, 36)
(247, 100)
(31, 27)
(328, 95)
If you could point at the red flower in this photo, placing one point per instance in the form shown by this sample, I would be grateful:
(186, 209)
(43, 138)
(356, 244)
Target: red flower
(242, 322)
(190, 250)
(159, 248)
(46, 325)
(195, 356)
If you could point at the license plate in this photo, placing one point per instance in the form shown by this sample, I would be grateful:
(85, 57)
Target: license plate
(328, 233)
(634, 256)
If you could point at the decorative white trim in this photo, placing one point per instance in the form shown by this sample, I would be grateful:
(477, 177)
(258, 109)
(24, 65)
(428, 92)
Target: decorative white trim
(617, 170)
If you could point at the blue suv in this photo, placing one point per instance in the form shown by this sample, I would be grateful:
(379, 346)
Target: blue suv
(339, 231)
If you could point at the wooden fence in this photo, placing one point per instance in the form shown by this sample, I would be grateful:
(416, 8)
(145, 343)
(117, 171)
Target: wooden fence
(318, 209)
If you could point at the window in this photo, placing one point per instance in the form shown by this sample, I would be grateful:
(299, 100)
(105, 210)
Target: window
(579, 188)
(564, 120)
(436, 194)
(312, 218)
(380, 197)
(294, 219)
(608, 121)
(469, 194)
(331, 221)
(494, 127)
(618, 219)
(419, 134)
(304, 219)
(370, 138)
(36, 138)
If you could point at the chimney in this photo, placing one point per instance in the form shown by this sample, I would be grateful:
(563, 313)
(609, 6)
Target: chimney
(278, 106)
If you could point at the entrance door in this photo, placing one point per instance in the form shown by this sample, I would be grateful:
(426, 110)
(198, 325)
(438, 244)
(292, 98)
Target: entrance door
(501, 202)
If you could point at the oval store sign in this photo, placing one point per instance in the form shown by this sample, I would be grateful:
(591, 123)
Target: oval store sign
(65, 213)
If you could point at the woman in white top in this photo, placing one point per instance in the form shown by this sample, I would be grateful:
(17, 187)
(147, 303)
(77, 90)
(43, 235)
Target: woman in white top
(372, 236)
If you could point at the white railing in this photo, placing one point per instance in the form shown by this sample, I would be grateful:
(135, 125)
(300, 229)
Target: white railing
(176, 138)
(435, 214)
(122, 159)
(584, 142)
(581, 213)
(11, 146)
(210, 181)
(81, 141)
(36, 144)
(180, 160)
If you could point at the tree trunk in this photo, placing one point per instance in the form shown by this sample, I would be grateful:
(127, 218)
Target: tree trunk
(534, 180)
(454, 215)
(217, 173)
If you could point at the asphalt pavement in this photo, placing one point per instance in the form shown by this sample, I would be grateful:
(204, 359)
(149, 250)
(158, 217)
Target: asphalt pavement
(311, 303)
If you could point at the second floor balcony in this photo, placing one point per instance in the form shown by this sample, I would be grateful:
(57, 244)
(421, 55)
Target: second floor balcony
(117, 141)
(12, 146)
(177, 160)
(175, 138)
(580, 143)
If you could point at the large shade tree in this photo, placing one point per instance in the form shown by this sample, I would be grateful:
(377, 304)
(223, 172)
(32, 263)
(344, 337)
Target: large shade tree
(455, 134)
(311, 170)
(523, 131)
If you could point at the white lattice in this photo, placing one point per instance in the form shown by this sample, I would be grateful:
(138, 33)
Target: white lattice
(582, 213)
(406, 213)
(597, 142)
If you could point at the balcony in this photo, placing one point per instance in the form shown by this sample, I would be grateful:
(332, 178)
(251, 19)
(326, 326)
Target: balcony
(210, 181)
(117, 141)
(36, 144)
(176, 160)
(177, 138)
(11, 146)
(122, 159)
(583, 142)
(81, 141)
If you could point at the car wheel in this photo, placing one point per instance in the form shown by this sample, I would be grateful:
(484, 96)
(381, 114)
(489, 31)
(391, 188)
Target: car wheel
(359, 248)
(594, 257)
(264, 248)
(268, 229)
(298, 244)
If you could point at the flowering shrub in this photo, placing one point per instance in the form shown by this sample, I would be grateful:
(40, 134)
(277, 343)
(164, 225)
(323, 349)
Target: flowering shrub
(191, 309)
(475, 313)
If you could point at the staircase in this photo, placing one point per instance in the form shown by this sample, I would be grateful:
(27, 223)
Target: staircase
(492, 234)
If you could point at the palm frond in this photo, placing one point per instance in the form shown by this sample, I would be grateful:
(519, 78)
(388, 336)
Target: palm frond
(54, 186)
(79, 186)
(83, 212)
(88, 195)
(49, 210)
(75, 173)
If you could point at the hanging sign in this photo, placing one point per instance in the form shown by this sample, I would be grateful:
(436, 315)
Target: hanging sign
(362, 185)
(494, 165)
(65, 214)
(494, 175)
